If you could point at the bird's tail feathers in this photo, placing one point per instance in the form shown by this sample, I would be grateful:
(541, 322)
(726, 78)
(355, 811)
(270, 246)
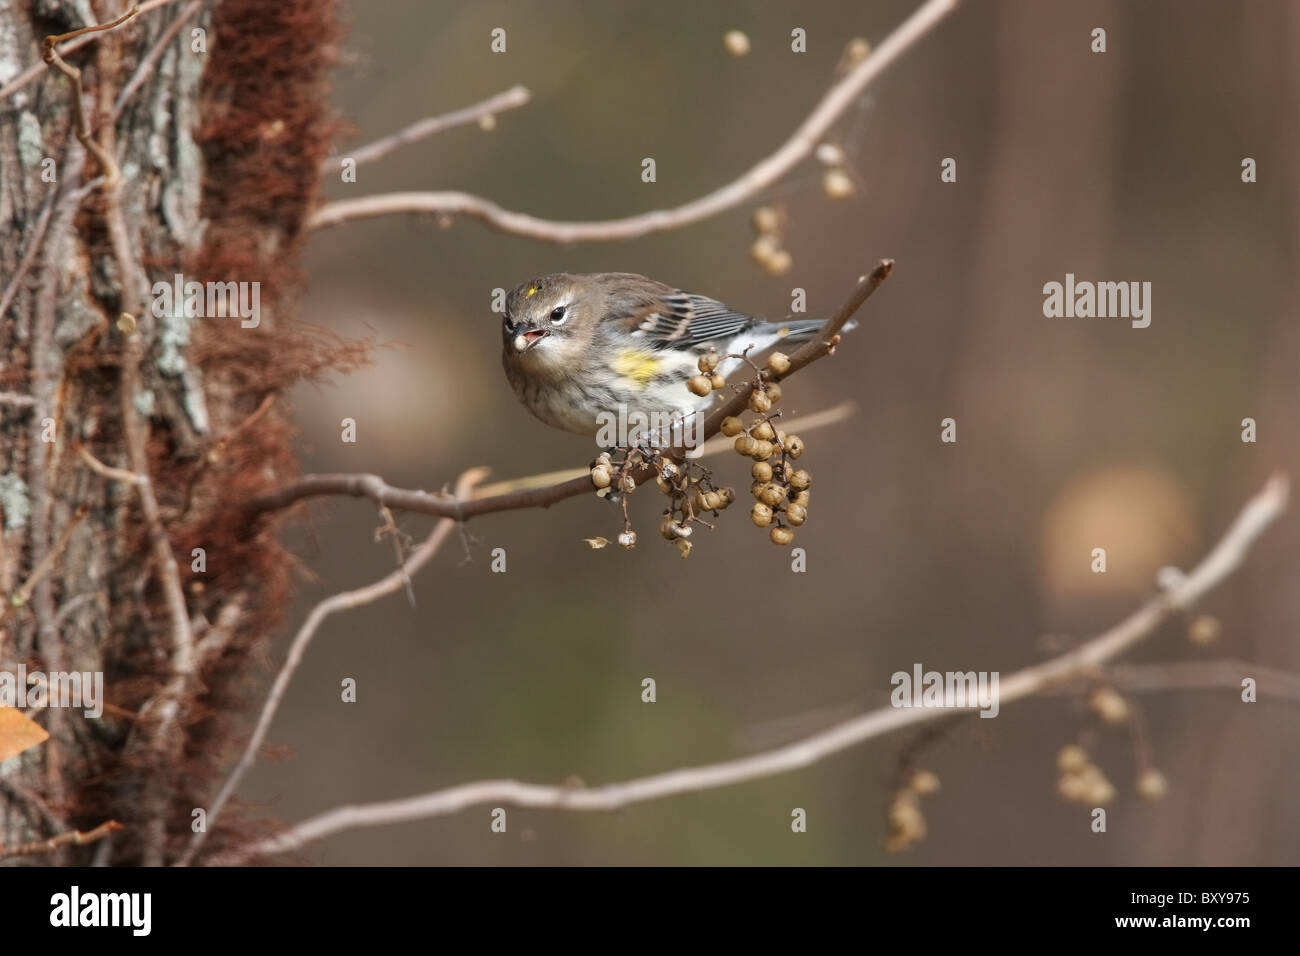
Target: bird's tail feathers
(798, 329)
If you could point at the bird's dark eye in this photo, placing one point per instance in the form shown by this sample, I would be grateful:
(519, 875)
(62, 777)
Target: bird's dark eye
(557, 315)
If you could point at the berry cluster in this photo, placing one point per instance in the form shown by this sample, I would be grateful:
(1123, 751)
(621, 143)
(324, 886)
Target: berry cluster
(1082, 781)
(782, 490)
(614, 481)
(906, 821)
(837, 181)
(691, 493)
(767, 249)
(688, 485)
(709, 379)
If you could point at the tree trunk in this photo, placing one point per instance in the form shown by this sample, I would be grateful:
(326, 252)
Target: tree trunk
(219, 149)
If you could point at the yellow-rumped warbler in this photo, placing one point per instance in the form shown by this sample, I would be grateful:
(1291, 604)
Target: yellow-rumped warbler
(579, 348)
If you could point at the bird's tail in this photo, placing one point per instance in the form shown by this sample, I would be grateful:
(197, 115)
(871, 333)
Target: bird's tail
(797, 330)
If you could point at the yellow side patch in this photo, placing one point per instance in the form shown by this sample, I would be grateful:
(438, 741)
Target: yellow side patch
(636, 365)
(532, 290)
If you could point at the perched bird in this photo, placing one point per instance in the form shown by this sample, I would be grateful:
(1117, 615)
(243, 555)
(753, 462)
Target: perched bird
(578, 348)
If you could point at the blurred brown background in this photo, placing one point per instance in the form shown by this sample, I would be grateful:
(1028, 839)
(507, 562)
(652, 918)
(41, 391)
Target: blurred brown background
(1073, 433)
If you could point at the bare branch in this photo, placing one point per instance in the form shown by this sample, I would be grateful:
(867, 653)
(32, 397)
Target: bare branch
(809, 352)
(715, 445)
(422, 502)
(1222, 674)
(159, 717)
(1260, 512)
(80, 124)
(150, 60)
(46, 565)
(54, 40)
(73, 837)
(512, 98)
(219, 635)
(108, 471)
(82, 38)
(798, 147)
(1198, 675)
(29, 255)
(343, 601)
(34, 806)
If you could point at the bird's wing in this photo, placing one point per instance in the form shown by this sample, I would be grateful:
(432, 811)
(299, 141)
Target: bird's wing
(683, 320)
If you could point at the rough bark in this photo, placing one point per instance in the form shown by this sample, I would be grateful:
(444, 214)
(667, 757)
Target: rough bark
(219, 153)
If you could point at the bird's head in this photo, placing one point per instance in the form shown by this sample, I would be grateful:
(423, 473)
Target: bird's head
(545, 320)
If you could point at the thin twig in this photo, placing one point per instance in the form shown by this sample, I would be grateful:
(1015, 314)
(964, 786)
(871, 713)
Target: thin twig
(164, 709)
(108, 471)
(150, 60)
(252, 419)
(55, 39)
(1196, 675)
(512, 98)
(809, 352)
(1225, 674)
(46, 372)
(222, 633)
(46, 565)
(801, 144)
(71, 838)
(1260, 512)
(346, 600)
(217, 448)
(167, 708)
(35, 806)
(390, 530)
(39, 67)
(29, 255)
(80, 124)
(132, 282)
(446, 506)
